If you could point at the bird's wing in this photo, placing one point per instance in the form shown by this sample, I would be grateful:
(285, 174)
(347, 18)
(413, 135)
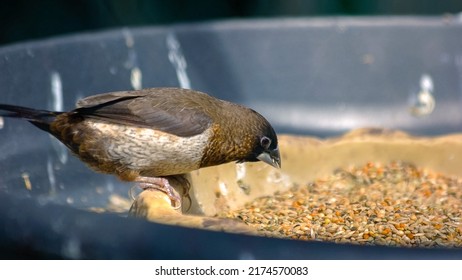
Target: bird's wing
(173, 111)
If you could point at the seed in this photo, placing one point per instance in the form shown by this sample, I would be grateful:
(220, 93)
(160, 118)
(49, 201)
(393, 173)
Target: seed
(438, 226)
(386, 231)
(395, 204)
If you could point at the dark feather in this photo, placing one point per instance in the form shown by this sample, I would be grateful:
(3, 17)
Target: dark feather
(173, 111)
(40, 118)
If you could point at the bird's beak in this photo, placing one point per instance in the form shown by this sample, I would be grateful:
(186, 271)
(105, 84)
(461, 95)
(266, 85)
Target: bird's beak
(271, 157)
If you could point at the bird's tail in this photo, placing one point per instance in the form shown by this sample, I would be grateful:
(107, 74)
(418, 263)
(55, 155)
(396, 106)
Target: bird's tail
(40, 118)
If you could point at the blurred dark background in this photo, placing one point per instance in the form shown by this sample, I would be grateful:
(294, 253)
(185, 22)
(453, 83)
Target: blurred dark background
(26, 20)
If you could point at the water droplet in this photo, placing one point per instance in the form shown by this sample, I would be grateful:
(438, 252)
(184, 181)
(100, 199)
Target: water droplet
(57, 104)
(51, 176)
(423, 102)
(56, 92)
(176, 57)
(136, 78)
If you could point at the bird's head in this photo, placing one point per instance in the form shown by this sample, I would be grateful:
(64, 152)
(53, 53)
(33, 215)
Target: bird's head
(243, 135)
(267, 150)
(265, 146)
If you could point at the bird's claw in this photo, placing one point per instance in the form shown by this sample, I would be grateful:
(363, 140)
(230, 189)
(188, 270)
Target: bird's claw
(171, 193)
(161, 184)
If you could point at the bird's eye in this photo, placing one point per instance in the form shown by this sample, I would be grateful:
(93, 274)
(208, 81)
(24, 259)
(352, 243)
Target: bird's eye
(265, 142)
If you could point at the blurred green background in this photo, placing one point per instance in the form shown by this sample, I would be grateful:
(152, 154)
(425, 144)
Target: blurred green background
(25, 20)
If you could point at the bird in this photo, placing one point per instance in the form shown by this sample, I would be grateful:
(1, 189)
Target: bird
(147, 135)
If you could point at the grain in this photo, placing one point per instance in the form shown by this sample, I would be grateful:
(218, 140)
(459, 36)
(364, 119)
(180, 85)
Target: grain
(395, 204)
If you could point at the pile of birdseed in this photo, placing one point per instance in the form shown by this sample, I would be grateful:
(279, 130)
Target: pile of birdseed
(395, 204)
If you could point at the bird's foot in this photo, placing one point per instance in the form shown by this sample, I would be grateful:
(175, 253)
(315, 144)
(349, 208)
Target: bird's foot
(160, 184)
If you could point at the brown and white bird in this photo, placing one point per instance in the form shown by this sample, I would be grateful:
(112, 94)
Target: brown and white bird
(147, 135)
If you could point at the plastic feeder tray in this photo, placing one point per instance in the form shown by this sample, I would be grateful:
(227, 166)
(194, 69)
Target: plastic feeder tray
(317, 77)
